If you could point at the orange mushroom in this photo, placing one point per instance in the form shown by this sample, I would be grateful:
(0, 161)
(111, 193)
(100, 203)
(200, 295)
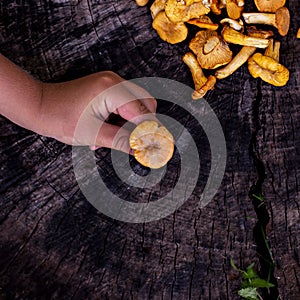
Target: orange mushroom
(168, 31)
(268, 69)
(204, 22)
(141, 2)
(280, 19)
(232, 36)
(153, 144)
(202, 84)
(210, 49)
(269, 6)
(182, 11)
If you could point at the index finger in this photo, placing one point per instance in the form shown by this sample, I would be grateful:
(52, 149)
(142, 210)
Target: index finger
(121, 99)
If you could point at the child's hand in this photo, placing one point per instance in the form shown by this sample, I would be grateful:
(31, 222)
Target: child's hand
(63, 103)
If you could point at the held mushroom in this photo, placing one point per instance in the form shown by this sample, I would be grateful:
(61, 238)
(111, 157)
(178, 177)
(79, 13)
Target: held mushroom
(182, 11)
(232, 36)
(211, 51)
(269, 6)
(202, 84)
(168, 31)
(236, 62)
(153, 144)
(298, 34)
(280, 19)
(268, 69)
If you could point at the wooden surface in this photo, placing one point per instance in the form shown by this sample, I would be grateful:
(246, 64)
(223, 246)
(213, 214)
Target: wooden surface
(55, 245)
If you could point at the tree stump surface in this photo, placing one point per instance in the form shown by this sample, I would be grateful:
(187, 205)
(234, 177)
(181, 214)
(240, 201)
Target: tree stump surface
(55, 245)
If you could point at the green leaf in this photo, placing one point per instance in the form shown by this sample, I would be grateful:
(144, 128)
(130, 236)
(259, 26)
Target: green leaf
(233, 265)
(258, 197)
(250, 273)
(248, 293)
(261, 283)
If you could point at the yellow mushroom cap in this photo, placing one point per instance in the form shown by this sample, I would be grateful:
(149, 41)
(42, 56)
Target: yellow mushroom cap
(168, 31)
(156, 7)
(283, 20)
(269, 6)
(268, 69)
(182, 11)
(153, 144)
(210, 50)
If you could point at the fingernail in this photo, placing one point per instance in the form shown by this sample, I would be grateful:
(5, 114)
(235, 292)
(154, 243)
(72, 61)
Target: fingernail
(143, 108)
(93, 148)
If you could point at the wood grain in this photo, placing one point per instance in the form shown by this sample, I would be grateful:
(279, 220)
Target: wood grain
(55, 245)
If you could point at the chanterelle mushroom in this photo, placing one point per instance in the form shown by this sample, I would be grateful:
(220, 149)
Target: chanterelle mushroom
(182, 11)
(236, 62)
(236, 25)
(273, 49)
(233, 10)
(141, 2)
(157, 6)
(280, 19)
(268, 69)
(298, 34)
(153, 144)
(210, 49)
(204, 22)
(254, 32)
(232, 36)
(202, 84)
(168, 31)
(269, 6)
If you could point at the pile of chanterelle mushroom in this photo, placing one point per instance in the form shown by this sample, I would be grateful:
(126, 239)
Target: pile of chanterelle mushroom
(211, 50)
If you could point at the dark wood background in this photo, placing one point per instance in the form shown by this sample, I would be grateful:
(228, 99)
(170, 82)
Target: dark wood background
(55, 245)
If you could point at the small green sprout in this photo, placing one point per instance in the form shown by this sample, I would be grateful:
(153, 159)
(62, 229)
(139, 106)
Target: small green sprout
(251, 282)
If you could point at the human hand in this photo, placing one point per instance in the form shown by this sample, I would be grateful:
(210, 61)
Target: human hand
(63, 104)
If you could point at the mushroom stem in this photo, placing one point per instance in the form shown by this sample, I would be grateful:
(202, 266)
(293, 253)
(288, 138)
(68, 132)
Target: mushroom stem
(236, 62)
(232, 23)
(280, 19)
(232, 36)
(260, 18)
(198, 76)
(254, 32)
(211, 44)
(273, 50)
(202, 84)
(209, 85)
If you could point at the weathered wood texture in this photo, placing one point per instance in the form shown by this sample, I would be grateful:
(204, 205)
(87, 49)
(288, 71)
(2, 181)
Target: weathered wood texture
(55, 245)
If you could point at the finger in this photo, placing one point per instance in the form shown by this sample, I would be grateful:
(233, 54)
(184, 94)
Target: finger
(136, 112)
(142, 95)
(114, 137)
(118, 99)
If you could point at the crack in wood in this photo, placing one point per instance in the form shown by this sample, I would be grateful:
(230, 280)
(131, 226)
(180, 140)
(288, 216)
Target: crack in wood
(259, 231)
